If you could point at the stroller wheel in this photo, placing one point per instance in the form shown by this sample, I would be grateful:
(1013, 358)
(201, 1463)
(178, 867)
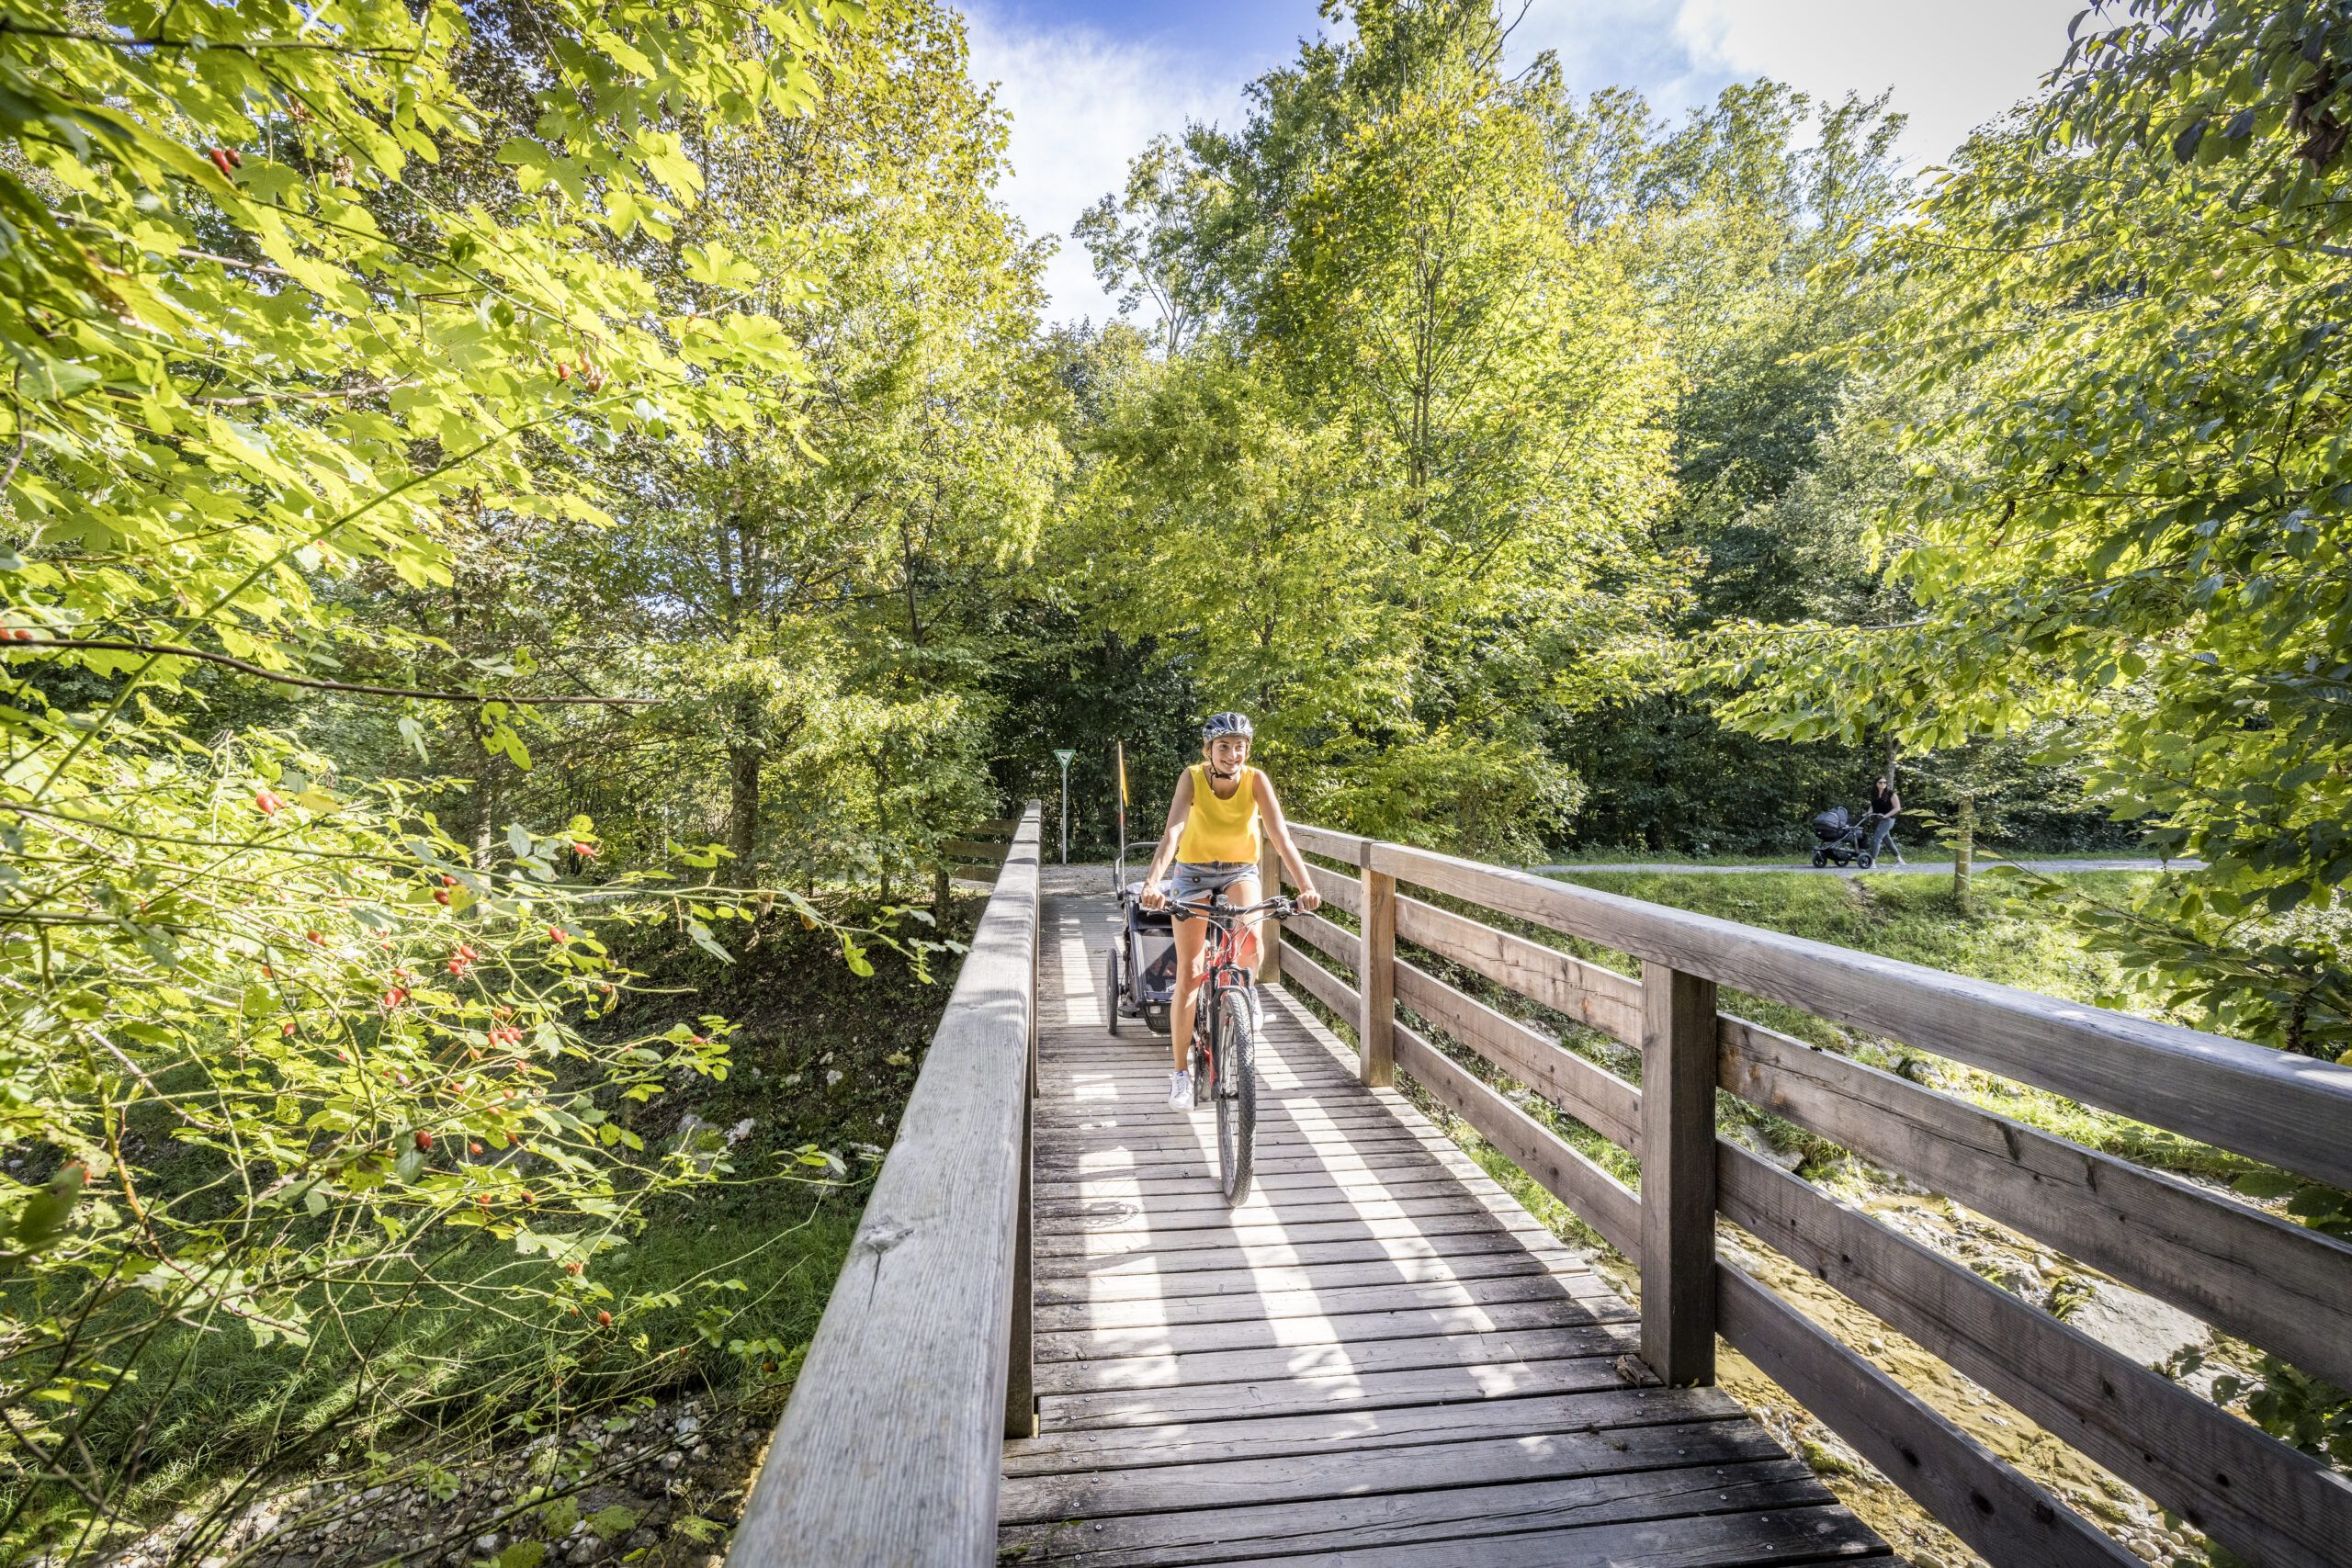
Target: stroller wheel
(1820, 858)
(1111, 993)
(1864, 859)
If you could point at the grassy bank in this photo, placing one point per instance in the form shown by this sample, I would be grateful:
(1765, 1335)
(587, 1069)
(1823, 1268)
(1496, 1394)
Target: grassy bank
(715, 1293)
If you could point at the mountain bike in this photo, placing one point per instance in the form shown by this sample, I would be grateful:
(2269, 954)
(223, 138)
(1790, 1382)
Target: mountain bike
(1225, 1037)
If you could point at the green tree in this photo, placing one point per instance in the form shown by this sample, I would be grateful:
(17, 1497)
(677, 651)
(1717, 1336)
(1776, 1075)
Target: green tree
(2127, 531)
(1397, 503)
(297, 307)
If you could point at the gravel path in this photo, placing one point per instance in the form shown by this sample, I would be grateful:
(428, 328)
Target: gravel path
(1920, 867)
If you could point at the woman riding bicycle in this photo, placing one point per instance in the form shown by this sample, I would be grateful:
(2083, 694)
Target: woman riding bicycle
(1213, 839)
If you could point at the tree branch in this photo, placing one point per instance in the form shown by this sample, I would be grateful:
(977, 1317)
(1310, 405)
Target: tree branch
(127, 40)
(167, 650)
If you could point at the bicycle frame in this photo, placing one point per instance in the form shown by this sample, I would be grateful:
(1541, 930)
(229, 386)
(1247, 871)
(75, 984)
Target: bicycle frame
(1222, 972)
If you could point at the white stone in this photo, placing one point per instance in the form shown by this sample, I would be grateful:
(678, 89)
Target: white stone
(2136, 1325)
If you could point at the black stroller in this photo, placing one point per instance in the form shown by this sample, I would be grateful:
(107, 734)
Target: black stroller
(1843, 841)
(1142, 960)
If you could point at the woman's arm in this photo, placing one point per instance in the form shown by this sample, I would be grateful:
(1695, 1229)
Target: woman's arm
(1278, 828)
(1180, 806)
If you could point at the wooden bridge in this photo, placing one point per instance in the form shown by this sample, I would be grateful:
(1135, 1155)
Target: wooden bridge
(1054, 1343)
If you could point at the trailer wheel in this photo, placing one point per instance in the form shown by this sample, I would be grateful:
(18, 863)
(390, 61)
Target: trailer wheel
(1111, 992)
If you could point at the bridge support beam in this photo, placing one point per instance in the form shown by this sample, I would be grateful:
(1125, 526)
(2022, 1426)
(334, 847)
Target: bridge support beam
(1678, 1261)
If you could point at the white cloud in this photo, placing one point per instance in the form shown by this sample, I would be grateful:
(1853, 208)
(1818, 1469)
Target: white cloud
(1083, 104)
(1952, 67)
(1084, 101)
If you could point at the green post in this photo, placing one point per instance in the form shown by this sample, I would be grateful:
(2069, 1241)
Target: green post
(1064, 757)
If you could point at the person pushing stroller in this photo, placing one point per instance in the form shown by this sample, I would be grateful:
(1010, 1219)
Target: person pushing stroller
(1885, 805)
(1841, 840)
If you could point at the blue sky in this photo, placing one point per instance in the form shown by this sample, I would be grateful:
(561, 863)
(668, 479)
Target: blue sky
(1089, 83)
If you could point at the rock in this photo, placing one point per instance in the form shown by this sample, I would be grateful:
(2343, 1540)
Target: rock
(672, 1459)
(1752, 1139)
(486, 1544)
(688, 1424)
(702, 1453)
(2137, 1325)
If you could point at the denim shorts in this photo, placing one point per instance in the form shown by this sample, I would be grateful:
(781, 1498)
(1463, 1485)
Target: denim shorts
(1192, 880)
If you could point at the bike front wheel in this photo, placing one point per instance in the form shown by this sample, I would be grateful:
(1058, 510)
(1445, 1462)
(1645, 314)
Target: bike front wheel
(1237, 1097)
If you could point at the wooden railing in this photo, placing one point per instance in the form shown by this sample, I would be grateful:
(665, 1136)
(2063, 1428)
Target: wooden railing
(891, 1449)
(2276, 1285)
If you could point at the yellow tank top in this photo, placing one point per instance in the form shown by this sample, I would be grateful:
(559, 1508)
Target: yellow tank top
(1219, 830)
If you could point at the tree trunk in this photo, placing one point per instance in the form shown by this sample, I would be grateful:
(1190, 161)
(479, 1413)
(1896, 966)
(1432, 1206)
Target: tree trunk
(743, 804)
(485, 815)
(1963, 849)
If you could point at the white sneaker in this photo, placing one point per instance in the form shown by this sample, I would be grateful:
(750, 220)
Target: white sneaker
(1180, 1091)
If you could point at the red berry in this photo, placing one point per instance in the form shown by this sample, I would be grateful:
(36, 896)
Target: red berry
(286, 1028)
(266, 802)
(441, 896)
(586, 852)
(474, 1148)
(603, 1320)
(316, 937)
(447, 880)
(572, 1267)
(484, 1199)
(556, 933)
(220, 156)
(423, 1141)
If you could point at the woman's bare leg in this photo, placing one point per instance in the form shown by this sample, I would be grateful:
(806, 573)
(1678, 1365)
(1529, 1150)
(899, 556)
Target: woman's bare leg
(1192, 936)
(1253, 951)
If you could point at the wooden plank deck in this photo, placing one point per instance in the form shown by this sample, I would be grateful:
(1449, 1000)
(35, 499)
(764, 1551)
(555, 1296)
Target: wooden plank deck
(1379, 1358)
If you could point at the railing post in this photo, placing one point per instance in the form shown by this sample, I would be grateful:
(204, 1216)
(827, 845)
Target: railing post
(1678, 1261)
(1270, 932)
(1376, 980)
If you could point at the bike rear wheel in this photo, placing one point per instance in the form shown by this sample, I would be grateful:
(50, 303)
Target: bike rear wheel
(1237, 1097)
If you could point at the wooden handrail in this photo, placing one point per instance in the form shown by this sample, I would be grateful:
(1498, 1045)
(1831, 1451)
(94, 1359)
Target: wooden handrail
(2287, 1110)
(2280, 1285)
(890, 1449)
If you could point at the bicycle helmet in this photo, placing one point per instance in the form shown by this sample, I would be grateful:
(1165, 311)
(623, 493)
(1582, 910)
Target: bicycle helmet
(1223, 724)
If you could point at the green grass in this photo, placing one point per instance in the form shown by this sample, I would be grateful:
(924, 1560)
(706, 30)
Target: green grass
(1925, 852)
(718, 1290)
(1918, 919)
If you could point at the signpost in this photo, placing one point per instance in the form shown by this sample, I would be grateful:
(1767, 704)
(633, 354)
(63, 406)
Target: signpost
(1065, 756)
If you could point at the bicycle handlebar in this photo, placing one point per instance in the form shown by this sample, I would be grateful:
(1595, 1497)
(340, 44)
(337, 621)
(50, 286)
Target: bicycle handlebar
(1282, 906)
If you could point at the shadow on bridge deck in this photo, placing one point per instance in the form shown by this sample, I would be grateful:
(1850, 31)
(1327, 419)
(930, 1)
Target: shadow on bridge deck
(1380, 1358)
